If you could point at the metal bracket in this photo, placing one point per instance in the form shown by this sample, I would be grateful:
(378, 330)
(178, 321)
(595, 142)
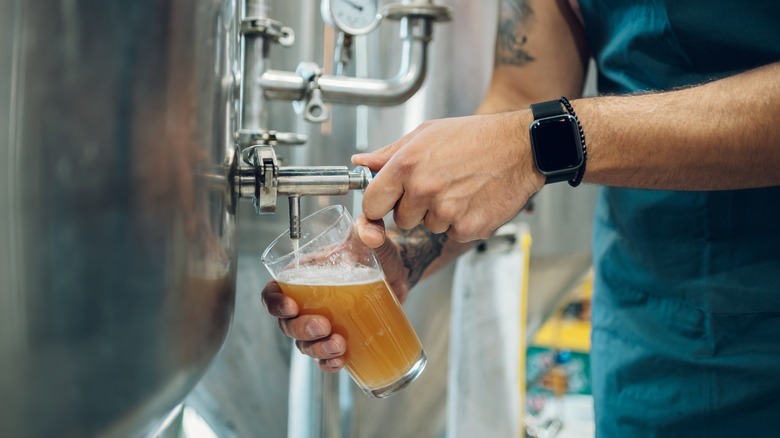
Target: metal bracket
(261, 162)
(312, 107)
(397, 11)
(270, 29)
(251, 137)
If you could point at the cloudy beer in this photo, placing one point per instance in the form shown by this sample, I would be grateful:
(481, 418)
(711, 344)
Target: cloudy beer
(382, 347)
(332, 273)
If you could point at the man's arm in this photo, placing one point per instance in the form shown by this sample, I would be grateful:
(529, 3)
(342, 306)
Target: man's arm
(539, 54)
(720, 135)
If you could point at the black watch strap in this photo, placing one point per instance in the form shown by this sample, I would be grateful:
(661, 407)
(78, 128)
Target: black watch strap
(560, 178)
(542, 110)
(547, 109)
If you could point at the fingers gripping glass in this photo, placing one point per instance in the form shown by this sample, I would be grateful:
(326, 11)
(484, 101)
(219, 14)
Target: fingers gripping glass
(330, 272)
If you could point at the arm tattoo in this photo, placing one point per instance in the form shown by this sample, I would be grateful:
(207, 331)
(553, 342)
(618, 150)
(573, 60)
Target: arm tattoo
(510, 41)
(419, 248)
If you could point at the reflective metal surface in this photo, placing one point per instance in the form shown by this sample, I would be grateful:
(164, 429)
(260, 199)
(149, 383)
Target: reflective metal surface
(350, 90)
(118, 261)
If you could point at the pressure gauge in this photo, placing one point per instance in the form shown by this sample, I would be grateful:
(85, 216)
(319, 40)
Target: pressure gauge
(355, 17)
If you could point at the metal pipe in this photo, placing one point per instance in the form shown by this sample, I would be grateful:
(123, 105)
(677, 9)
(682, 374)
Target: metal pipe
(255, 62)
(283, 85)
(321, 180)
(256, 8)
(416, 33)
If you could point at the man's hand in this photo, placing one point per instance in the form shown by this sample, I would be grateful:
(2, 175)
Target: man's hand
(464, 176)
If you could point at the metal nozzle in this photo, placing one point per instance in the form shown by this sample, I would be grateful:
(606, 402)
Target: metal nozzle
(295, 217)
(298, 181)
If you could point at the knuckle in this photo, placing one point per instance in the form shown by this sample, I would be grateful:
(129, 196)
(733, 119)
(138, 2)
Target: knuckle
(429, 189)
(440, 228)
(484, 234)
(424, 124)
(461, 233)
(447, 212)
(455, 236)
(405, 163)
(403, 219)
(434, 224)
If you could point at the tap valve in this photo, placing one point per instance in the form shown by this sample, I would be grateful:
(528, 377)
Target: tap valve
(260, 177)
(295, 182)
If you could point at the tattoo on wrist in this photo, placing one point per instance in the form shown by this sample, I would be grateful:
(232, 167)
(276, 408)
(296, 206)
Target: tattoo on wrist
(419, 248)
(511, 38)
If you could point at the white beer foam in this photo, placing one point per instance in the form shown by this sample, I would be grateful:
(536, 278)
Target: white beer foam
(330, 275)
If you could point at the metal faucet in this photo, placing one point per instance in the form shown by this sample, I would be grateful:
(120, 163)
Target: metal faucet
(260, 177)
(295, 182)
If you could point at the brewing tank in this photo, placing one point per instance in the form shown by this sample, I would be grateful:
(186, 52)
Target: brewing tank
(118, 259)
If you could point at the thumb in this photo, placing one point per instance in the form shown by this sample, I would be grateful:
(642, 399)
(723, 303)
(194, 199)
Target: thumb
(371, 232)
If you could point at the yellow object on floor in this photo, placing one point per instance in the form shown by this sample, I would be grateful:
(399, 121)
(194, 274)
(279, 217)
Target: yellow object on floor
(569, 327)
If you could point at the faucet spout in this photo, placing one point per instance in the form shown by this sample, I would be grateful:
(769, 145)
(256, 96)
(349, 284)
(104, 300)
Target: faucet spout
(295, 216)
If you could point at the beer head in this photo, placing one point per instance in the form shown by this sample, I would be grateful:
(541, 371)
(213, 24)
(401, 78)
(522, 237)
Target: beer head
(328, 238)
(325, 275)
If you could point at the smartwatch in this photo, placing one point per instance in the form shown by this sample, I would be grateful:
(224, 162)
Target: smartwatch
(556, 142)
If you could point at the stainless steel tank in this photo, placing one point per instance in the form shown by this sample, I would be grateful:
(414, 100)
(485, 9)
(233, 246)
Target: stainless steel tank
(118, 260)
(246, 390)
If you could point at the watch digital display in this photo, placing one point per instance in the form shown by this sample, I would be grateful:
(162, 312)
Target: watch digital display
(555, 141)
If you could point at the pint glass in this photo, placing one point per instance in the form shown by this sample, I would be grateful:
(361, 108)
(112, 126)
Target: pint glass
(330, 272)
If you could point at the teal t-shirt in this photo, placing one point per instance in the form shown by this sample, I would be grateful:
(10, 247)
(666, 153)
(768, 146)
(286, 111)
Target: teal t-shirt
(686, 306)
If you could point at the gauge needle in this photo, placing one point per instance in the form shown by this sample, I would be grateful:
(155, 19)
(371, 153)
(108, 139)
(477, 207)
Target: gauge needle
(355, 5)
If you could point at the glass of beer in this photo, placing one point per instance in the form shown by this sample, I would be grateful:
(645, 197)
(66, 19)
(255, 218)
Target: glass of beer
(329, 271)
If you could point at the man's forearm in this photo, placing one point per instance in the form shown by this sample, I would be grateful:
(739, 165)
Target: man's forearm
(721, 135)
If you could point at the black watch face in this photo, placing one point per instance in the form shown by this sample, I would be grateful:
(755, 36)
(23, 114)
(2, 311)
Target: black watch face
(556, 144)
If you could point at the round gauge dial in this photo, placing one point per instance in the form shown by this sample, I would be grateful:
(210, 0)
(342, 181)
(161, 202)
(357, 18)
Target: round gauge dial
(355, 17)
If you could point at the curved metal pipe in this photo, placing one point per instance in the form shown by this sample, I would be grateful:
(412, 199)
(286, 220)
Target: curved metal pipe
(409, 79)
(416, 33)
